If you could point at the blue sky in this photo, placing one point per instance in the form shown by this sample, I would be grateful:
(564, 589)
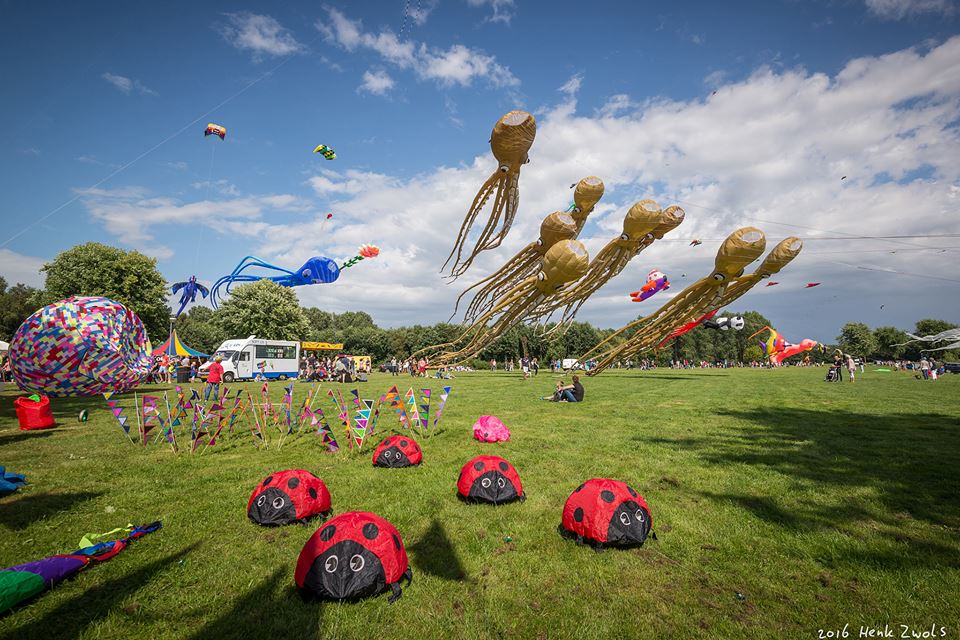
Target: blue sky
(805, 92)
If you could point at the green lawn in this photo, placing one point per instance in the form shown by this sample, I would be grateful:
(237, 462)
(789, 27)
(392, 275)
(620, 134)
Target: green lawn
(819, 504)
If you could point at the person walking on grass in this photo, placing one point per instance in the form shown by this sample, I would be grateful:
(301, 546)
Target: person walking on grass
(214, 376)
(851, 366)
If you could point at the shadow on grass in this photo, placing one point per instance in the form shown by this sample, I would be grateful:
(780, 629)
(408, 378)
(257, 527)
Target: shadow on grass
(264, 614)
(434, 554)
(95, 603)
(20, 514)
(20, 436)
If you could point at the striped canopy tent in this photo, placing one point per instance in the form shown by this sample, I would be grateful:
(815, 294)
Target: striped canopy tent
(174, 347)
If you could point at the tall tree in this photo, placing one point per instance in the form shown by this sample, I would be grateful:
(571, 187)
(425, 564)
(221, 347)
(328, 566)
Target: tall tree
(264, 309)
(857, 339)
(16, 303)
(887, 338)
(127, 277)
(200, 330)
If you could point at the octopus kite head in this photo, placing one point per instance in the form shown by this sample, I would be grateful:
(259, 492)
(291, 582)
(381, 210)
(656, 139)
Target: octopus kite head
(564, 262)
(557, 226)
(642, 218)
(587, 194)
(741, 247)
(319, 270)
(671, 217)
(785, 251)
(511, 140)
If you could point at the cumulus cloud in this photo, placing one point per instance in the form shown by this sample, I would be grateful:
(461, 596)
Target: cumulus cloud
(17, 268)
(379, 83)
(900, 9)
(456, 65)
(262, 35)
(501, 10)
(768, 151)
(128, 85)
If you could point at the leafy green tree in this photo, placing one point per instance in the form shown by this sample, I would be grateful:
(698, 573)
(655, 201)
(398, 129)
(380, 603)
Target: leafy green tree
(929, 327)
(886, 338)
(128, 277)
(16, 304)
(264, 309)
(200, 330)
(353, 320)
(321, 324)
(857, 339)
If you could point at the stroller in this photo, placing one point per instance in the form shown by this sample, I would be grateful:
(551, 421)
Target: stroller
(833, 375)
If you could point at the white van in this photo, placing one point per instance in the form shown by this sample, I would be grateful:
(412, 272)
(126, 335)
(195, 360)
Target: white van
(570, 363)
(281, 359)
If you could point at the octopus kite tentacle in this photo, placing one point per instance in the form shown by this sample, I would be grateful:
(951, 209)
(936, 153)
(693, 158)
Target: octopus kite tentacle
(555, 227)
(566, 261)
(739, 249)
(510, 142)
(643, 224)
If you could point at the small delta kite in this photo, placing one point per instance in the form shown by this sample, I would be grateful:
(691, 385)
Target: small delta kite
(215, 130)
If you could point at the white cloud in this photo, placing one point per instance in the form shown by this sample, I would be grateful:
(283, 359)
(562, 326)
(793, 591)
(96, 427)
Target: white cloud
(572, 86)
(127, 85)
(378, 83)
(456, 65)
(17, 268)
(223, 187)
(502, 10)
(900, 9)
(259, 34)
(767, 151)
(32, 151)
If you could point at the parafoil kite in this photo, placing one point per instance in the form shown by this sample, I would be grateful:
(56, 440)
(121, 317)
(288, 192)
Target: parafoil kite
(81, 346)
(327, 152)
(736, 252)
(656, 282)
(644, 223)
(565, 262)
(215, 130)
(511, 140)
(316, 270)
(24, 581)
(190, 290)
(793, 349)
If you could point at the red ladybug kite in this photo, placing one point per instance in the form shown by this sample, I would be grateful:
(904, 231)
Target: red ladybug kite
(490, 479)
(353, 556)
(602, 511)
(397, 451)
(287, 497)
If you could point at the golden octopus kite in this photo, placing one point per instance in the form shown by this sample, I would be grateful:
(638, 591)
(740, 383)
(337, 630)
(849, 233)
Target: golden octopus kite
(511, 141)
(782, 254)
(740, 248)
(566, 261)
(644, 223)
(559, 225)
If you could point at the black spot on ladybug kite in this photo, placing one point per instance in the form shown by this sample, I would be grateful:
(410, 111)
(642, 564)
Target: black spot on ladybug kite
(606, 512)
(490, 479)
(353, 556)
(397, 451)
(288, 496)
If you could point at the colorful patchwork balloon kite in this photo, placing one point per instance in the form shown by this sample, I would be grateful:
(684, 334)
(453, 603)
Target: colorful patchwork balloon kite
(80, 347)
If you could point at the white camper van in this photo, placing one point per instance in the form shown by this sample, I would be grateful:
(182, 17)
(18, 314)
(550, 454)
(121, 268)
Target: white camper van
(241, 359)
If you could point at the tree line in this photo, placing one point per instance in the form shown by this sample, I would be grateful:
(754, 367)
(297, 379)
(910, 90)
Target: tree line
(268, 310)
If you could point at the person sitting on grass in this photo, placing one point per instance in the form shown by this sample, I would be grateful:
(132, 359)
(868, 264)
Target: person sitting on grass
(567, 393)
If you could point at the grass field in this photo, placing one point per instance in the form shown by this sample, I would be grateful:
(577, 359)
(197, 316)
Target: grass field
(783, 506)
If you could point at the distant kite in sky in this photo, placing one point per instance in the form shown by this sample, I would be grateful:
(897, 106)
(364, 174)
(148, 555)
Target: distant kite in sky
(327, 152)
(215, 130)
(695, 242)
(772, 284)
(190, 290)
(510, 141)
(843, 178)
(810, 285)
